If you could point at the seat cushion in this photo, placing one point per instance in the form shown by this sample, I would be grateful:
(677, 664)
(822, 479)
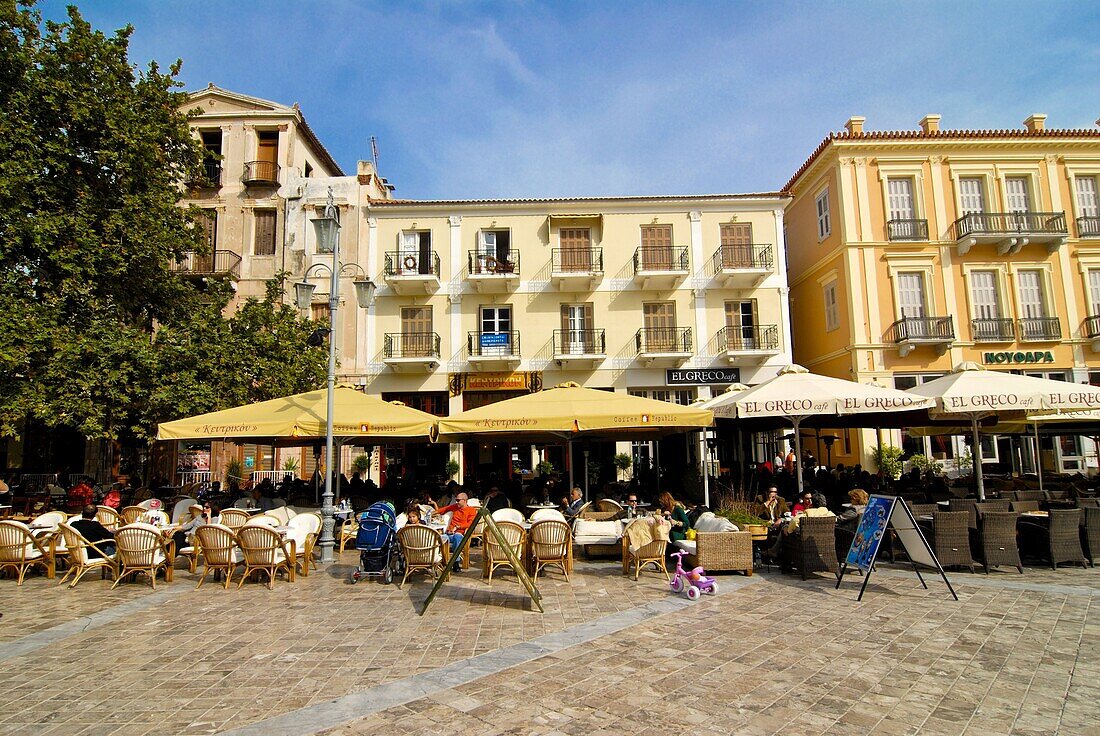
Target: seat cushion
(586, 531)
(686, 545)
(186, 551)
(713, 523)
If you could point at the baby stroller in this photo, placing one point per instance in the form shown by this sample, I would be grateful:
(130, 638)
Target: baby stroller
(379, 555)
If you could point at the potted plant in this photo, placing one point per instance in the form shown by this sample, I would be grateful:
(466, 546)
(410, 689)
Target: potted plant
(622, 464)
(361, 463)
(739, 513)
(451, 468)
(545, 467)
(234, 474)
(290, 464)
(888, 460)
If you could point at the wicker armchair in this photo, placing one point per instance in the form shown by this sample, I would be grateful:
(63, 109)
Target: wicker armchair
(969, 505)
(348, 531)
(20, 550)
(1092, 532)
(650, 553)
(424, 550)
(494, 556)
(304, 530)
(233, 518)
(265, 551)
(81, 561)
(1061, 540)
(513, 515)
(951, 538)
(717, 546)
(132, 514)
(551, 544)
(1021, 506)
(813, 547)
(987, 506)
(108, 517)
(141, 548)
(999, 540)
(924, 509)
(220, 552)
(608, 504)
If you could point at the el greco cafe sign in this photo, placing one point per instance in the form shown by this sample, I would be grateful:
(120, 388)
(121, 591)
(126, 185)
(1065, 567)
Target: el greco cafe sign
(703, 377)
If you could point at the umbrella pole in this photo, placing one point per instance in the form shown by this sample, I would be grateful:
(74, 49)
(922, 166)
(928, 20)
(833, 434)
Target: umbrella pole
(657, 464)
(977, 458)
(797, 453)
(1038, 462)
(569, 464)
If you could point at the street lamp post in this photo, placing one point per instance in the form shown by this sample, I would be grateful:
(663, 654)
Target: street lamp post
(328, 239)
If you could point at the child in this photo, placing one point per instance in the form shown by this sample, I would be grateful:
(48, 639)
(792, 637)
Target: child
(412, 517)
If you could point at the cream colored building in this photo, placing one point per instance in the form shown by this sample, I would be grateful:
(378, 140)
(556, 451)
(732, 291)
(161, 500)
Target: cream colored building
(912, 251)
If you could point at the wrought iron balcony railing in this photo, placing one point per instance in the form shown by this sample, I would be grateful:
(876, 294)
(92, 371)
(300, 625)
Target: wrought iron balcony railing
(406, 263)
(907, 230)
(925, 329)
(261, 172)
(493, 344)
(746, 338)
(663, 340)
(991, 329)
(209, 176)
(1011, 223)
(576, 260)
(411, 345)
(216, 263)
(1040, 329)
(1088, 227)
(661, 258)
(731, 257)
(1091, 328)
(486, 264)
(579, 342)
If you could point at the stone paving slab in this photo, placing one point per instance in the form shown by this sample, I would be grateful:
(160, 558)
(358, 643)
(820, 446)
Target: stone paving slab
(771, 654)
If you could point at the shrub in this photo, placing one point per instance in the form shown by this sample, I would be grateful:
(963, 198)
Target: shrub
(451, 468)
(888, 460)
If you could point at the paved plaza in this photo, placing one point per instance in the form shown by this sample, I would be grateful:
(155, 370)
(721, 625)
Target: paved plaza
(1018, 654)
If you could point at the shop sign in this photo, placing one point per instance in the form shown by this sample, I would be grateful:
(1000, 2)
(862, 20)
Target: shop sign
(519, 381)
(701, 377)
(494, 339)
(1018, 358)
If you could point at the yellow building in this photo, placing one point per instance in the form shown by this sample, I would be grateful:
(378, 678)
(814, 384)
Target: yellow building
(912, 251)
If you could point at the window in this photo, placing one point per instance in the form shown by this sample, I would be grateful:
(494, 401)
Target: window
(659, 320)
(984, 295)
(1032, 301)
(736, 242)
(577, 329)
(824, 226)
(496, 331)
(494, 251)
(971, 195)
(1016, 194)
(657, 247)
(576, 249)
(1094, 291)
(318, 310)
(741, 325)
(415, 245)
(267, 146)
(900, 192)
(1088, 207)
(212, 154)
(683, 397)
(307, 171)
(832, 308)
(208, 223)
(264, 243)
(911, 299)
(416, 332)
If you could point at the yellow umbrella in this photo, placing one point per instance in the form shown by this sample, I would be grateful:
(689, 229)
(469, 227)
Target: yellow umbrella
(303, 417)
(569, 411)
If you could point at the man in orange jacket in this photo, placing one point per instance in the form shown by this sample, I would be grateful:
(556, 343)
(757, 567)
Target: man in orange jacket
(461, 519)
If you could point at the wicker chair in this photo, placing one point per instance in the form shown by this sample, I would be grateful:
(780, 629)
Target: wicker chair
(265, 551)
(349, 530)
(1021, 506)
(494, 554)
(20, 550)
(1092, 532)
(513, 515)
(999, 540)
(924, 509)
(263, 520)
(608, 504)
(969, 505)
(1030, 496)
(141, 548)
(155, 517)
(1085, 503)
(813, 547)
(551, 544)
(547, 514)
(1062, 538)
(987, 506)
(220, 552)
(424, 550)
(717, 546)
(131, 514)
(650, 553)
(304, 530)
(951, 538)
(80, 561)
(233, 518)
(108, 517)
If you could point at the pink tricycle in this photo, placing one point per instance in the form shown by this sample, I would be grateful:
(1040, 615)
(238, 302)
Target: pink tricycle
(692, 583)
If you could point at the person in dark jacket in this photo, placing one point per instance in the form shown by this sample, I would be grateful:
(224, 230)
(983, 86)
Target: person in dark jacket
(94, 532)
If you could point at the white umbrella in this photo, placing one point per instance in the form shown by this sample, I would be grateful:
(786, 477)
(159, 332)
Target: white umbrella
(974, 393)
(795, 393)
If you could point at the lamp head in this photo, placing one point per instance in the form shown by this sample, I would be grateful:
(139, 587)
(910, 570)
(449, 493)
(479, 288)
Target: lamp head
(303, 294)
(364, 292)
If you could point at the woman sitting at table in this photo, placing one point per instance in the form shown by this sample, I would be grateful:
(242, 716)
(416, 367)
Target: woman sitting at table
(805, 502)
(211, 514)
(849, 518)
(675, 513)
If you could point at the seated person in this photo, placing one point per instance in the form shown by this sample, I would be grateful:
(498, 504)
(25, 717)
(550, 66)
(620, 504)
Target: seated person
(772, 508)
(211, 514)
(805, 502)
(94, 532)
(495, 500)
(576, 500)
(462, 516)
(815, 507)
(674, 512)
(849, 518)
(412, 516)
(630, 507)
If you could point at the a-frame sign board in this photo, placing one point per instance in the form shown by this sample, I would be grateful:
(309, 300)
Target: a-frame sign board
(882, 513)
(483, 516)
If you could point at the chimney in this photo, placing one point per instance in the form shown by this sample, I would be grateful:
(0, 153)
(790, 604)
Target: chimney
(854, 126)
(1035, 122)
(930, 123)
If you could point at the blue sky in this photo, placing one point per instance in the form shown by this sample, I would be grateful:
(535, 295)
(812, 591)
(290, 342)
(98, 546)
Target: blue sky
(528, 99)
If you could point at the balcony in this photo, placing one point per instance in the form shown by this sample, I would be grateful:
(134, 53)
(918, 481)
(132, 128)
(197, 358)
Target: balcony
(497, 273)
(411, 352)
(1091, 330)
(1010, 231)
(992, 330)
(1040, 329)
(261, 172)
(412, 273)
(906, 230)
(908, 333)
(742, 266)
(218, 263)
(666, 346)
(579, 348)
(660, 267)
(495, 349)
(1088, 227)
(747, 344)
(210, 177)
(573, 269)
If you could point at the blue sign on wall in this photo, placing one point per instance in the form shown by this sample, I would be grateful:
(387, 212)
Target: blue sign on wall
(495, 339)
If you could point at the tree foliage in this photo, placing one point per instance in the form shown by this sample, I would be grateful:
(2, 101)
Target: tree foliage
(96, 330)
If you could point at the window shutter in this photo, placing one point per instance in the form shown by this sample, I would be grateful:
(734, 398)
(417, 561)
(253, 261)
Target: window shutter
(265, 232)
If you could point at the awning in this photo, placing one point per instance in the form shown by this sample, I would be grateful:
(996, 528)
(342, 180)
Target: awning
(559, 221)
